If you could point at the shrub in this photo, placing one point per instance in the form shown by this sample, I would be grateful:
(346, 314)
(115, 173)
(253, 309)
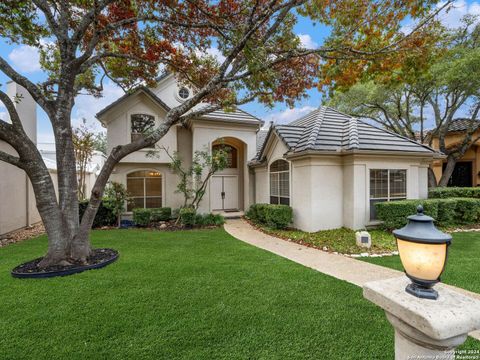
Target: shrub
(468, 211)
(187, 216)
(454, 192)
(104, 216)
(142, 217)
(274, 216)
(394, 213)
(209, 219)
(446, 211)
(161, 214)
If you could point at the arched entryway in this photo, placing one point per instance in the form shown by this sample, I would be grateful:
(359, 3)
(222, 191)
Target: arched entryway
(227, 186)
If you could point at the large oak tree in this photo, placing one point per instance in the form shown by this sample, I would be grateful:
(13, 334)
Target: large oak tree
(82, 42)
(426, 94)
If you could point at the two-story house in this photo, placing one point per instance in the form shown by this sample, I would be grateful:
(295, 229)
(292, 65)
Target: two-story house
(149, 180)
(331, 168)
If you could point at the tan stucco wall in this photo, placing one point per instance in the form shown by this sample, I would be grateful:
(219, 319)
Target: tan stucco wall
(119, 128)
(472, 154)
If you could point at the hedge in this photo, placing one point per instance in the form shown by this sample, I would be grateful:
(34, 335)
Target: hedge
(446, 212)
(145, 217)
(187, 216)
(454, 192)
(104, 216)
(274, 216)
(209, 220)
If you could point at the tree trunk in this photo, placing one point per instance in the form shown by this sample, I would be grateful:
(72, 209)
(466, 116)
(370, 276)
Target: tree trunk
(432, 179)
(448, 171)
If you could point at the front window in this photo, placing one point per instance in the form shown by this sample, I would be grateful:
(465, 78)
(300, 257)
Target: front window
(145, 189)
(386, 185)
(231, 154)
(280, 182)
(142, 124)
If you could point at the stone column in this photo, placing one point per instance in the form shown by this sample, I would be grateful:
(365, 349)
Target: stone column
(425, 329)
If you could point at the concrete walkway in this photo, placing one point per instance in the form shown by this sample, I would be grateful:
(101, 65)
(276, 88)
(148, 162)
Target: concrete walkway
(341, 267)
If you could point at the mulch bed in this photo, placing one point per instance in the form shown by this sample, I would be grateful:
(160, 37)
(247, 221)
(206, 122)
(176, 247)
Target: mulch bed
(98, 259)
(22, 234)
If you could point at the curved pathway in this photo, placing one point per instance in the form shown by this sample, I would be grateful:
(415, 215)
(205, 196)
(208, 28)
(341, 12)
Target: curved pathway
(342, 267)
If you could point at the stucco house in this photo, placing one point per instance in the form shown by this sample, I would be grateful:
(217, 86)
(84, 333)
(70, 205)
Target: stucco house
(467, 169)
(331, 168)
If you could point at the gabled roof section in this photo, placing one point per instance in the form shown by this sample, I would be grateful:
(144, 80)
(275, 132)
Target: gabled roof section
(138, 90)
(325, 129)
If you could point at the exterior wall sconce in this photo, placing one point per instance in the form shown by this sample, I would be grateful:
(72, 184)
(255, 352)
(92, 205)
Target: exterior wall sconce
(423, 251)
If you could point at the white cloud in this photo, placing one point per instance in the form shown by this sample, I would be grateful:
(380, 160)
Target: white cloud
(213, 51)
(287, 115)
(25, 58)
(460, 8)
(307, 41)
(86, 106)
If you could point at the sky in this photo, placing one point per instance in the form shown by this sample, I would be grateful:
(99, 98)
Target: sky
(25, 59)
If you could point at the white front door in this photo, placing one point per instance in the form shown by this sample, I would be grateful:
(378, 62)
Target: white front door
(224, 192)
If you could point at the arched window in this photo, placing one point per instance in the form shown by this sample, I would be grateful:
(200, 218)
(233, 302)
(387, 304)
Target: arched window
(145, 189)
(232, 154)
(141, 125)
(280, 182)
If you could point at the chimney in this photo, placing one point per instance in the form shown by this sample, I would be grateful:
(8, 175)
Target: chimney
(26, 108)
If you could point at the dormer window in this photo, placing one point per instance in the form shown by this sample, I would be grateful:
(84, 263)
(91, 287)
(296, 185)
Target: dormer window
(142, 125)
(184, 93)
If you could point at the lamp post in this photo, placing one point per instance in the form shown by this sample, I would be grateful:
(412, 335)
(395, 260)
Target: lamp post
(423, 251)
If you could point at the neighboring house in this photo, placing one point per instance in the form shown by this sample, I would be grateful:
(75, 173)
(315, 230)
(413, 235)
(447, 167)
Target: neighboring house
(17, 200)
(467, 168)
(17, 205)
(92, 170)
(331, 168)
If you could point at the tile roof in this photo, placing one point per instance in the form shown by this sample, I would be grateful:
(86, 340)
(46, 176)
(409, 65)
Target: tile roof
(463, 124)
(236, 115)
(326, 129)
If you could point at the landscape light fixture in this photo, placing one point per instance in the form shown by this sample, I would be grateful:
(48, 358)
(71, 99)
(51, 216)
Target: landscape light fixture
(423, 251)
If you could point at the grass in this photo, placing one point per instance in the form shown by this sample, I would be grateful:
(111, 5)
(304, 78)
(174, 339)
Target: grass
(186, 295)
(340, 240)
(463, 264)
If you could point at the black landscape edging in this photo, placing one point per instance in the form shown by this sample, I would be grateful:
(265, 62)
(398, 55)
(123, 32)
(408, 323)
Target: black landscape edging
(71, 271)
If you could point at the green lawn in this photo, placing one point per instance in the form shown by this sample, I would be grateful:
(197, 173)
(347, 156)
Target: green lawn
(463, 266)
(186, 295)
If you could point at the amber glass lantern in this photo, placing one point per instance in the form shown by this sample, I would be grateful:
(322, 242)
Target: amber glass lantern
(423, 250)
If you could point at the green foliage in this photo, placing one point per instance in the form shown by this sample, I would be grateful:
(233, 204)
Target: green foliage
(145, 217)
(446, 212)
(115, 198)
(193, 180)
(161, 214)
(142, 217)
(187, 216)
(104, 216)
(209, 219)
(454, 192)
(273, 216)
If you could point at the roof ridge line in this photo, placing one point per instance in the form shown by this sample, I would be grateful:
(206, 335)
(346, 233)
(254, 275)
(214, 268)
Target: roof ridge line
(316, 128)
(353, 141)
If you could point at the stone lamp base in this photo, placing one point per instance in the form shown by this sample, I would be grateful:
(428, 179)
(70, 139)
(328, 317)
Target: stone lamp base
(425, 329)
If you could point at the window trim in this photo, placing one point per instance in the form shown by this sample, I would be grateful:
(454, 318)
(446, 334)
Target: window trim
(289, 197)
(162, 181)
(389, 197)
